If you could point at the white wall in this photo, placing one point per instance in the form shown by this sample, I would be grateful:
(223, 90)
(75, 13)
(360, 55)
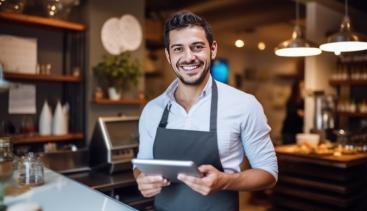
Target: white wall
(319, 21)
(96, 13)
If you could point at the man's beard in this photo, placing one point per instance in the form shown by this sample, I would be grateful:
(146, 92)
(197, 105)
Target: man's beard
(197, 81)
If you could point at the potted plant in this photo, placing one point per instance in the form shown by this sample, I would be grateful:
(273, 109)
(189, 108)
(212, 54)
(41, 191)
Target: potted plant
(117, 73)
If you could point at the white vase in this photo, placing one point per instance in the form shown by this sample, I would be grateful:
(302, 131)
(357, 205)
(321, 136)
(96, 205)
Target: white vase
(58, 125)
(66, 109)
(45, 120)
(113, 94)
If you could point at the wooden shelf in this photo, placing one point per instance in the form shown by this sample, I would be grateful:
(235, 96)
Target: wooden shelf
(352, 114)
(124, 101)
(40, 77)
(30, 139)
(348, 82)
(42, 21)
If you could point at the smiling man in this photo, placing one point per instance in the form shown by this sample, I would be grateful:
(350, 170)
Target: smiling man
(200, 119)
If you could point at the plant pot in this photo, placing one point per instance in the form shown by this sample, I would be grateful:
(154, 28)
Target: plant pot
(113, 94)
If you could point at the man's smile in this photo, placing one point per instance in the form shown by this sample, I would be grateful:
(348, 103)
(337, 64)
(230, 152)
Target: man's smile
(192, 68)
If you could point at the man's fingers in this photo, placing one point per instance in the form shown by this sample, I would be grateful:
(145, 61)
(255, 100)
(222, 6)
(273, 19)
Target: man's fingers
(152, 192)
(190, 179)
(206, 168)
(148, 186)
(151, 185)
(150, 179)
(195, 183)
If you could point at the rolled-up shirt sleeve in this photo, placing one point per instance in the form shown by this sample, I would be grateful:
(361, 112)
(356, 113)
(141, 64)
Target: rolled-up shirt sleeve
(255, 136)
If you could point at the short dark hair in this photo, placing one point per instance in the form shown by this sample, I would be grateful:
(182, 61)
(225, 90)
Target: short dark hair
(184, 19)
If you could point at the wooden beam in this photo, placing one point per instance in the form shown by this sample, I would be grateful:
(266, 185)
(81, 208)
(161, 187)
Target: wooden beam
(212, 5)
(254, 19)
(338, 6)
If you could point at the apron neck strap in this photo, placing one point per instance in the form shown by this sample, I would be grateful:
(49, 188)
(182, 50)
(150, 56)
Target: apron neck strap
(213, 110)
(214, 107)
(164, 120)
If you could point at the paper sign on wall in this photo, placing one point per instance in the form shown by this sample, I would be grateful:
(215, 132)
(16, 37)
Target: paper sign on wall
(22, 99)
(18, 54)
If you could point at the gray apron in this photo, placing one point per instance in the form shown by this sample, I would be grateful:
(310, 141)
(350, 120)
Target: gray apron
(200, 147)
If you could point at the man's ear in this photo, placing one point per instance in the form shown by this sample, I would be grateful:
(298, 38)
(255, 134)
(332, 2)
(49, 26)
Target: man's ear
(213, 49)
(167, 55)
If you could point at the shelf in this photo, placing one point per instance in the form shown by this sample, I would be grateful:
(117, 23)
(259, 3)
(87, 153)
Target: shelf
(30, 139)
(347, 82)
(42, 21)
(124, 101)
(40, 77)
(352, 114)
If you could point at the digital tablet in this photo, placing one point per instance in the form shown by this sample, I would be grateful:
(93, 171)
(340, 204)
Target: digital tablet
(169, 169)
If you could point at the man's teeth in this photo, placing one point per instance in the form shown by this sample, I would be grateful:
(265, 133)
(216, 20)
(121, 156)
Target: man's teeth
(191, 67)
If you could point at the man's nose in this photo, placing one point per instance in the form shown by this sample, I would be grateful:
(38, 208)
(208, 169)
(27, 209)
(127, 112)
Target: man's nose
(189, 55)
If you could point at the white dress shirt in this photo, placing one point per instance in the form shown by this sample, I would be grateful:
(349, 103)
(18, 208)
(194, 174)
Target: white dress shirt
(242, 127)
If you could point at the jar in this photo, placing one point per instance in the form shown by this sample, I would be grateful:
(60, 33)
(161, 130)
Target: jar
(6, 167)
(30, 171)
(6, 159)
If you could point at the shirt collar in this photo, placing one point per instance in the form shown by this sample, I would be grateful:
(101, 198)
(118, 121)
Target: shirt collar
(170, 91)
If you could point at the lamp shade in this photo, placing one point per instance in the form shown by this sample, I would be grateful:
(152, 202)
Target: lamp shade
(296, 46)
(345, 40)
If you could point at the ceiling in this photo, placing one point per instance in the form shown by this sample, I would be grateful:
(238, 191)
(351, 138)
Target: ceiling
(270, 21)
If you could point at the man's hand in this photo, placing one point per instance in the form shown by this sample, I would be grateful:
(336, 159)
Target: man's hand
(150, 186)
(212, 181)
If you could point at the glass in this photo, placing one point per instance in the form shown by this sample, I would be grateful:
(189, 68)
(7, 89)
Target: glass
(6, 166)
(16, 6)
(30, 171)
(28, 126)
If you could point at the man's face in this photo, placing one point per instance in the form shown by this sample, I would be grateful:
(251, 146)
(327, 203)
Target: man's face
(190, 55)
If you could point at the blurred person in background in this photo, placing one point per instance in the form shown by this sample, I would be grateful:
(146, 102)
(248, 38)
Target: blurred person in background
(293, 121)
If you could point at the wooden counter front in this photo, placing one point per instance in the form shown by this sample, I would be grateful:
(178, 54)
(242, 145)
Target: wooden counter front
(316, 182)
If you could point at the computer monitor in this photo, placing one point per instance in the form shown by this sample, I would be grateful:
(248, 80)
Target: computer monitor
(122, 132)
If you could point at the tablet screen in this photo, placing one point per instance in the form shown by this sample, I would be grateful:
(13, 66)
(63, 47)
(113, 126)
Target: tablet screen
(169, 169)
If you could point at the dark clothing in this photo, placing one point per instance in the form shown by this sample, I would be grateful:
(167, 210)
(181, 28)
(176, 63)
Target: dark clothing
(200, 147)
(293, 122)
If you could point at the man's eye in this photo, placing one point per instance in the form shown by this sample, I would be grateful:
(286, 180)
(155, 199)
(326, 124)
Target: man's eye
(198, 47)
(177, 49)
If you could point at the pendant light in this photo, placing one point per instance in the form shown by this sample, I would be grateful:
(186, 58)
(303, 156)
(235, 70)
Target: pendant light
(297, 46)
(4, 85)
(345, 40)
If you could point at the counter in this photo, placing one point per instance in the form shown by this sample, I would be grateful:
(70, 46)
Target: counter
(320, 182)
(60, 193)
(121, 185)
